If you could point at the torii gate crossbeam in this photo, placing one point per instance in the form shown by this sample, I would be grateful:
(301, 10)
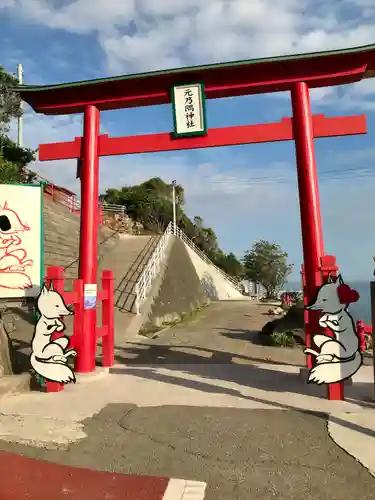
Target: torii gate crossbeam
(225, 136)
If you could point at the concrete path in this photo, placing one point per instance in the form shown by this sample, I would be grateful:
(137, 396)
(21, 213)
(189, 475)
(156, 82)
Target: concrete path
(196, 404)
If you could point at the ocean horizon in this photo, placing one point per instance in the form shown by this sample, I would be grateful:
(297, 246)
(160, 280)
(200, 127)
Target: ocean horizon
(360, 309)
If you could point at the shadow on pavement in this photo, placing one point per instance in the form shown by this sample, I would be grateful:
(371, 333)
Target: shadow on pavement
(156, 354)
(253, 337)
(219, 366)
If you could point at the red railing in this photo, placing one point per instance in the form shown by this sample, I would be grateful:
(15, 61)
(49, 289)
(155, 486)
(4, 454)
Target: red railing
(363, 330)
(69, 200)
(55, 274)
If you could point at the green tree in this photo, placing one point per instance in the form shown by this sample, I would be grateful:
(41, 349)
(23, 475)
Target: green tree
(12, 158)
(267, 264)
(10, 101)
(230, 264)
(161, 189)
(151, 204)
(208, 241)
(13, 161)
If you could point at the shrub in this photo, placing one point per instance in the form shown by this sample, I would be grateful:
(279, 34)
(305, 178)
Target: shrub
(283, 339)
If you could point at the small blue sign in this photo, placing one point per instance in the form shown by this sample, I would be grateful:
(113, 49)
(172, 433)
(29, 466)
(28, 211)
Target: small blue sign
(89, 302)
(89, 296)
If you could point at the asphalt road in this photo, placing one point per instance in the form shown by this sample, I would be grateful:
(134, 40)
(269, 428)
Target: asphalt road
(241, 454)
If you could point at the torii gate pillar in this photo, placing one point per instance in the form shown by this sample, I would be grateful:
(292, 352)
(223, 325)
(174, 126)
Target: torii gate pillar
(88, 248)
(311, 220)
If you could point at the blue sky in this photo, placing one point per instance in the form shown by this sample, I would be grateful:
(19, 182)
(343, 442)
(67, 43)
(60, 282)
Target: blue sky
(245, 193)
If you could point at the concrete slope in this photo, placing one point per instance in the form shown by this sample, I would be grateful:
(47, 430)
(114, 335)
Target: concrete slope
(215, 285)
(175, 293)
(185, 283)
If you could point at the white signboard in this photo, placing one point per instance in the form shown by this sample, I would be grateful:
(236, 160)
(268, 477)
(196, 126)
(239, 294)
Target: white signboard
(189, 114)
(21, 240)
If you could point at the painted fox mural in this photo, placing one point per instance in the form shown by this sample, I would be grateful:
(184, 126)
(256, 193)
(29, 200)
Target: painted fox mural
(13, 257)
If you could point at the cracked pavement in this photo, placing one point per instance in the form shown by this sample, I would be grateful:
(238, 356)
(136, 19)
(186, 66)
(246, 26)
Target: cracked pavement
(241, 454)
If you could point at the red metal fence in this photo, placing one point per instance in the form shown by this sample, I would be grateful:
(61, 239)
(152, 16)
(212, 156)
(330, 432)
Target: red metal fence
(105, 295)
(64, 197)
(364, 332)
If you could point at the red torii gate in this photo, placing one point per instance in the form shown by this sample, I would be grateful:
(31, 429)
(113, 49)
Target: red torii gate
(296, 73)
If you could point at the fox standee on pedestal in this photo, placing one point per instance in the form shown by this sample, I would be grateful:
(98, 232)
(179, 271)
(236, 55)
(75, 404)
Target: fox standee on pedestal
(339, 357)
(49, 357)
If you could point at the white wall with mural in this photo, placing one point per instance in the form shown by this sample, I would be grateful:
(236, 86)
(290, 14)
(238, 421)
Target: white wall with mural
(216, 286)
(21, 240)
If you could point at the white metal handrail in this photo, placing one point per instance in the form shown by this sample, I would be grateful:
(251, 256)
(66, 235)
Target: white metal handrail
(178, 232)
(112, 209)
(152, 268)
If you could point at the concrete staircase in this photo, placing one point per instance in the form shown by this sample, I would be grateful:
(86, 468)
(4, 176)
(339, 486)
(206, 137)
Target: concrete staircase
(127, 261)
(61, 240)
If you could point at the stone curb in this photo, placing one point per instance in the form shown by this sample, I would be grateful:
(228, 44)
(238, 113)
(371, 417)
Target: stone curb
(182, 489)
(14, 384)
(160, 332)
(99, 373)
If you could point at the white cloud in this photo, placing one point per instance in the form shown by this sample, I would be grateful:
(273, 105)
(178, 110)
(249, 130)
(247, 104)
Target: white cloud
(149, 34)
(6, 3)
(80, 16)
(251, 202)
(142, 35)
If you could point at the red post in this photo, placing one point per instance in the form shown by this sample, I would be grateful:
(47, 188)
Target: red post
(361, 334)
(108, 308)
(311, 223)
(329, 267)
(78, 319)
(312, 238)
(88, 251)
(101, 214)
(55, 275)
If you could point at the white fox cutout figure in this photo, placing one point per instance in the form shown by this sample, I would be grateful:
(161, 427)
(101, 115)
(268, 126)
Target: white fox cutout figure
(49, 357)
(339, 357)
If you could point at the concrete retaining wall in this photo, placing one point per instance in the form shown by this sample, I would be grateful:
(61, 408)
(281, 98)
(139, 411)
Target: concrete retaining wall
(178, 293)
(215, 285)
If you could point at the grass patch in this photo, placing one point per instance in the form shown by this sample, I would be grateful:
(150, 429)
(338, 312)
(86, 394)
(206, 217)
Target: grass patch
(151, 329)
(283, 339)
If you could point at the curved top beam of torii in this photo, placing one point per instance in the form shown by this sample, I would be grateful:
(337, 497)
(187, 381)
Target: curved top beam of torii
(254, 76)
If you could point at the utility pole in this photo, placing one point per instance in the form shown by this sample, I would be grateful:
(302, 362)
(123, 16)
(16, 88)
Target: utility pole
(174, 205)
(19, 119)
